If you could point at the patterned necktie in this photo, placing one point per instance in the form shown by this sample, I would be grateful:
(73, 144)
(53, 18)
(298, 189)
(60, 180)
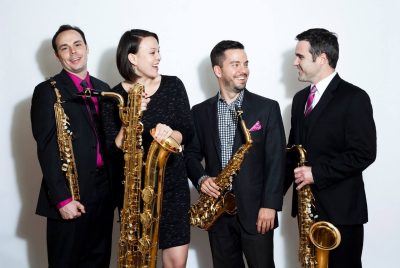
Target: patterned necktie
(310, 99)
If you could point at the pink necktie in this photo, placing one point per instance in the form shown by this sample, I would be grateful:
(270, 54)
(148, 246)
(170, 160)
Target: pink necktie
(310, 99)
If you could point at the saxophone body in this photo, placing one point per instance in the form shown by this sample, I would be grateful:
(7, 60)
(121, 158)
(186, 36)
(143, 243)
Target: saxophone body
(142, 204)
(316, 237)
(208, 209)
(64, 140)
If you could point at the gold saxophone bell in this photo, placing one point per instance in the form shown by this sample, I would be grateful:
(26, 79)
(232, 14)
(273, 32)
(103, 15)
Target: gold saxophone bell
(317, 238)
(325, 237)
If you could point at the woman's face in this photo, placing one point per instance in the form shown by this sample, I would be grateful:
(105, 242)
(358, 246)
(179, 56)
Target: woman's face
(146, 60)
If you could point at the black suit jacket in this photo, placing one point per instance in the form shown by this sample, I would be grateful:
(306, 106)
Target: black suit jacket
(54, 188)
(340, 139)
(259, 183)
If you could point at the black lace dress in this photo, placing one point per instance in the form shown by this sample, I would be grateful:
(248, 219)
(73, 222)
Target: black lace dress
(168, 105)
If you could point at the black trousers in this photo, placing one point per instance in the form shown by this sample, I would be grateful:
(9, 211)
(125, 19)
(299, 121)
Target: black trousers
(85, 241)
(229, 241)
(348, 253)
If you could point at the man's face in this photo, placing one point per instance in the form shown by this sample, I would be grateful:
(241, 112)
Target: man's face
(308, 68)
(234, 71)
(72, 52)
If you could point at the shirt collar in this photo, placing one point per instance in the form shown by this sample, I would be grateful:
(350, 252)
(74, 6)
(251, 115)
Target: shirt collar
(237, 102)
(323, 84)
(77, 81)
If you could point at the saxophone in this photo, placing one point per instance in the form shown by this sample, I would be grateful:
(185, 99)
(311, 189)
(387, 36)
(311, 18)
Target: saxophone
(316, 237)
(64, 140)
(208, 209)
(141, 212)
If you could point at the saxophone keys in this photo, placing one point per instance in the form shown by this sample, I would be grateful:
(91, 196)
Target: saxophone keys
(147, 194)
(146, 219)
(64, 167)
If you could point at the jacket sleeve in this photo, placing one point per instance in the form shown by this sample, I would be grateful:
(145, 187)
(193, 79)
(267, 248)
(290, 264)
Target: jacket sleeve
(274, 160)
(193, 154)
(359, 145)
(182, 117)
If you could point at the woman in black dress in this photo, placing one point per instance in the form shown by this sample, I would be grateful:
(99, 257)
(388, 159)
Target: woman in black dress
(166, 108)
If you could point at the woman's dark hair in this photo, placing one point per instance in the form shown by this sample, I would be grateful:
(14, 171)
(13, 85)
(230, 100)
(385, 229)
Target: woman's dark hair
(129, 43)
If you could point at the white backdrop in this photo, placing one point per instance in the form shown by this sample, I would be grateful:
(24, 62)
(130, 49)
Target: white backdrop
(368, 37)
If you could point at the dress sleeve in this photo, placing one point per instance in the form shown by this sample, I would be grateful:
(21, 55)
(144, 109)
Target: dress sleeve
(182, 120)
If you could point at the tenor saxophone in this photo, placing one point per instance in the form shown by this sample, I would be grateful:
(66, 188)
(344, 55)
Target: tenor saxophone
(141, 211)
(64, 140)
(317, 238)
(208, 209)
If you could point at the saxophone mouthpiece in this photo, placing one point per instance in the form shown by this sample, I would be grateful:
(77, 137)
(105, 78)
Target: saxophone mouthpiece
(238, 110)
(89, 93)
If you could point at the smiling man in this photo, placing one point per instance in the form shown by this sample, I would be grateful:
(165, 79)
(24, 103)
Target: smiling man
(258, 185)
(75, 194)
(333, 120)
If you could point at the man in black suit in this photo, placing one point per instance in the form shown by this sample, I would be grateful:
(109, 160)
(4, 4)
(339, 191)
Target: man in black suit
(258, 187)
(78, 231)
(333, 120)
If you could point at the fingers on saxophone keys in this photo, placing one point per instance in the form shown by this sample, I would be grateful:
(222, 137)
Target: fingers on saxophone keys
(301, 185)
(209, 190)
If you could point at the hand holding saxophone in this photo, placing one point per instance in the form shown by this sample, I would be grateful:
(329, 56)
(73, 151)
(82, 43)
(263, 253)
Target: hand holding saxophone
(162, 132)
(303, 176)
(209, 187)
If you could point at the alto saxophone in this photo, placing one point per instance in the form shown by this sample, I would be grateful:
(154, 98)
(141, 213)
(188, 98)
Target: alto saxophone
(316, 237)
(64, 140)
(208, 209)
(141, 211)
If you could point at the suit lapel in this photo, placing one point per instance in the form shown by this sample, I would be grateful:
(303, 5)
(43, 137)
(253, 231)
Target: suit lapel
(239, 135)
(301, 119)
(326, 98)
(213, 116)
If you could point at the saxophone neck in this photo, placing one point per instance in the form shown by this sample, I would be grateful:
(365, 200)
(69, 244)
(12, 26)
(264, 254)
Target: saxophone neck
(301, 152)
(118, 97)
(245, 130)
(56, 91)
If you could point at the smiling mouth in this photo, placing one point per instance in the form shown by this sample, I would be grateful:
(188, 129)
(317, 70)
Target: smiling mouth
(75, 60)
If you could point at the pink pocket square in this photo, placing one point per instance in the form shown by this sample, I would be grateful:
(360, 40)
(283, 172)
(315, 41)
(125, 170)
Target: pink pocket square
(257, 126)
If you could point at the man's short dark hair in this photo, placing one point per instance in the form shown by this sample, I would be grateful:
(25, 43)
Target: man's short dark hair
(217, 54)
(129, 43)
(322, 41)
(63, 28)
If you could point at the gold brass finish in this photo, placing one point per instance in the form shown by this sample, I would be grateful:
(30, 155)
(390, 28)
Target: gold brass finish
(316, 237)
(64, 140)
(141, 212)
(208, 209)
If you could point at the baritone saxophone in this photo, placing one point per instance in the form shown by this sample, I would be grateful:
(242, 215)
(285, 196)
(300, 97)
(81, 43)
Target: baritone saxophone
(317, 238)
(142, 204)
(65, 148)
(208, 209)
